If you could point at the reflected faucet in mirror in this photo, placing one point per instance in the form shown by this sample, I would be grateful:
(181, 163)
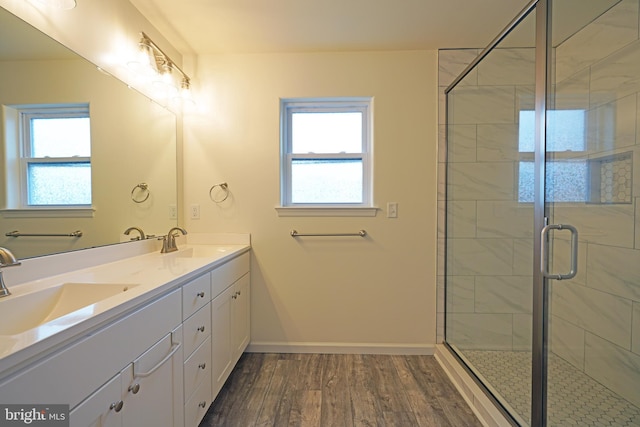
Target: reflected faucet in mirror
(169, 241)
(6, 260)
(142, 236)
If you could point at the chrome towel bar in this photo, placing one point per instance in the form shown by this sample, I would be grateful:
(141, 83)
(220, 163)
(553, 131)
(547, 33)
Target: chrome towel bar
(294, 233)
(16, 233)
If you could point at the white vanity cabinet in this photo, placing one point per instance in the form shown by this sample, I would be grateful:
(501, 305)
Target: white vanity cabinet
(230, 319)
(161, 364)
(148, 392)
(71, 374)
(228, 336)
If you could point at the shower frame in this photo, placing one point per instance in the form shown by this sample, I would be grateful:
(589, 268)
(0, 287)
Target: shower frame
(540, 283)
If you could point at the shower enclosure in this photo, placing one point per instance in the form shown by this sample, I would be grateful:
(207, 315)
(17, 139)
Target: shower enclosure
(542, 231)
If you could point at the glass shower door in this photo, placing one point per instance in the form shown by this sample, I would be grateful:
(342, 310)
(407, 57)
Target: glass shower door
(489, 232)
(593, 355)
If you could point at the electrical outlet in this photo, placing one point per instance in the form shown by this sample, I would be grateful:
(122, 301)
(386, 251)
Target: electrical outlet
(392, 210)
(173, 212)
(195, 211)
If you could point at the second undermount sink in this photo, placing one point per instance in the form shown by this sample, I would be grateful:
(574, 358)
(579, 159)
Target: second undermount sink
(23, 312)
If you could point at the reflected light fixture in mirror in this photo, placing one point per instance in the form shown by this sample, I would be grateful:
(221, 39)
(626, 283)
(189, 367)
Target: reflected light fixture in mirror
(161, 72)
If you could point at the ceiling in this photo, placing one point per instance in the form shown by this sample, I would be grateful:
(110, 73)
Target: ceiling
(261, 26)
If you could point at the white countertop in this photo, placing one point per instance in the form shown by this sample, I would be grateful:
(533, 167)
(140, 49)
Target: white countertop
(153, 274)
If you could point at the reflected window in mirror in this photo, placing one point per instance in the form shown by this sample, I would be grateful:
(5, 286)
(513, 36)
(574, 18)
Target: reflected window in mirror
(56, 156)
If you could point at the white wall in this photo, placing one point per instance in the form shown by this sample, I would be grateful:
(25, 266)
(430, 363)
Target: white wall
(323, 293)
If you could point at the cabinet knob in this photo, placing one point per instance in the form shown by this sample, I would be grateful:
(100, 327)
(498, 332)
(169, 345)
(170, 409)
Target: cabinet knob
(134, 388)
(239, 292)
(234, 296)
(202, 365)
(201, 294)
(201, 328)
(117, 406)
(202, 404)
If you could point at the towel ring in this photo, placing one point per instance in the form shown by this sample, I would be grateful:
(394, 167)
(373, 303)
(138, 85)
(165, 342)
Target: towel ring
(224, 187)
(144, 189)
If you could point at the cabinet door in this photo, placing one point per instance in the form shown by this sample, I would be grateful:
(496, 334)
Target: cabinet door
(102, 409)
(221, 344)
(240, 320)
(153, 385)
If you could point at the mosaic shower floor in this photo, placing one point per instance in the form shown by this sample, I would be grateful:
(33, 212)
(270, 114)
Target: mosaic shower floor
(575, 399)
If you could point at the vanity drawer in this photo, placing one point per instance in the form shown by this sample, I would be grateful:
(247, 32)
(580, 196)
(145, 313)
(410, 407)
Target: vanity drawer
(223, 276)
(196, 329)
(197, 406)
(195, 295)
(197, 368)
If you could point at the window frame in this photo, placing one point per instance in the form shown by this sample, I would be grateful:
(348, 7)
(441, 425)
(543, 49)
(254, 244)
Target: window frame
(25, 115)
(290, 106)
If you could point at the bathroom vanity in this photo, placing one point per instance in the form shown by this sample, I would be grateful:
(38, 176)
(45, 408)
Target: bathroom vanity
(146, 340)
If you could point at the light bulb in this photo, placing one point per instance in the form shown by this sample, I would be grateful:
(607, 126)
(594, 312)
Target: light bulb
(144, 61)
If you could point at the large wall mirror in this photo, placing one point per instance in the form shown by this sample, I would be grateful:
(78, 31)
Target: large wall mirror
(133, 148)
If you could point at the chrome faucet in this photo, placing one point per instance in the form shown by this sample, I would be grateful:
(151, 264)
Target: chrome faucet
(7, 259)
(169, 241)
(139, 230)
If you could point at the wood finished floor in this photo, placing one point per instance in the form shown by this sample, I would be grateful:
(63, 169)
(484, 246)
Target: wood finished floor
(338, 390)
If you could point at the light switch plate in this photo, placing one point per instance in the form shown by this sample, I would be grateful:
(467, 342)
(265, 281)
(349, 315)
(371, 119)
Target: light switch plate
(392, 210)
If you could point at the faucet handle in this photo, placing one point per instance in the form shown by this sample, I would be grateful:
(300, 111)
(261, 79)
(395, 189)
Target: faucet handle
(168, 244)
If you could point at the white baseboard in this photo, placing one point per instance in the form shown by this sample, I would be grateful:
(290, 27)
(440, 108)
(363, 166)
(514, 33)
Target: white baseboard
(479, 402)
(340, 348)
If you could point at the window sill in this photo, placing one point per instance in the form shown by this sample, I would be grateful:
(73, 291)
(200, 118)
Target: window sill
(61, 212)
(326, 211)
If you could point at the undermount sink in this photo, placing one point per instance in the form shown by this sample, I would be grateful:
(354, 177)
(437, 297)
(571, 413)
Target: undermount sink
(24, 312)
(205, 251)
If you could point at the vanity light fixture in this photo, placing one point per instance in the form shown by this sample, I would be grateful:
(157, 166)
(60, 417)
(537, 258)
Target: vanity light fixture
(164, 75)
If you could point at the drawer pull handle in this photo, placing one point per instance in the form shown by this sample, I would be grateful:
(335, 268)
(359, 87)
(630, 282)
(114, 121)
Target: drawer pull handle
(134, 388)
(201, 328)
(173, 350)
(201, 294)
(117, 406)
(202, 404)
(202, 365)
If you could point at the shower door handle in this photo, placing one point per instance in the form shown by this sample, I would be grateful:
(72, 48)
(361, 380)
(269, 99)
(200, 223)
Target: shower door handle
(544, 254)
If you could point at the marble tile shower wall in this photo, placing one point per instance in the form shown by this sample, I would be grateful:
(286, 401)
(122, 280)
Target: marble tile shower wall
(595, 322)
(489, 231)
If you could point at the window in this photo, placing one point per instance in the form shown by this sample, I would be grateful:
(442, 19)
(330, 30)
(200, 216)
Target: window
(55, 159)
(326, 153)
(567, 178)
